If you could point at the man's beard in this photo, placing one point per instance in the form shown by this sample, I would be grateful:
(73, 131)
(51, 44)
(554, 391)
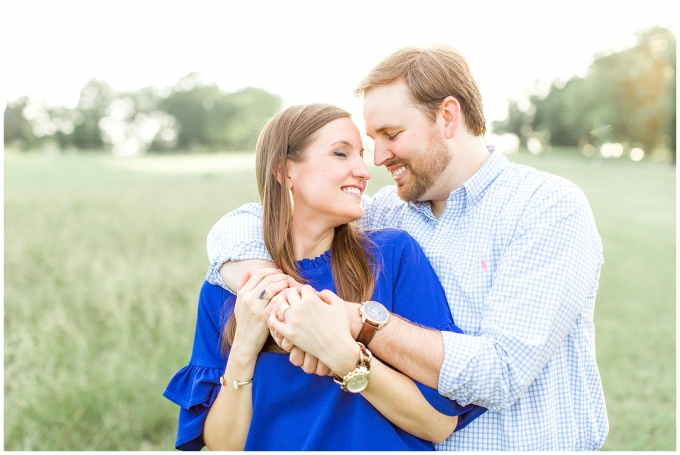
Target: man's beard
(424, 170)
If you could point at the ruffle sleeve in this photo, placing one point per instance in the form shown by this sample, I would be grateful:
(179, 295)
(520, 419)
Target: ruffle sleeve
(194, 389)
(196, 386)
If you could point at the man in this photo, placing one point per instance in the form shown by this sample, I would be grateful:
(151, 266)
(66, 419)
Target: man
(516, 250)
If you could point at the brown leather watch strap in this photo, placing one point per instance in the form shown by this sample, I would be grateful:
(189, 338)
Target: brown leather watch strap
(366, 334)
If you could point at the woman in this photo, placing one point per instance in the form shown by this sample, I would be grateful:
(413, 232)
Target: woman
(311, 175)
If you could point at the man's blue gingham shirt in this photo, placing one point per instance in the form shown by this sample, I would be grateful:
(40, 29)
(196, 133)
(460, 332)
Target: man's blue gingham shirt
(519, 257)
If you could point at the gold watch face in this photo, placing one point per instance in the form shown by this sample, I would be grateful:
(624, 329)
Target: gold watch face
(357, 383)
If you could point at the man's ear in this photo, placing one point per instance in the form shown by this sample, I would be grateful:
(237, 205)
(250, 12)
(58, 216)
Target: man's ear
(451, 115)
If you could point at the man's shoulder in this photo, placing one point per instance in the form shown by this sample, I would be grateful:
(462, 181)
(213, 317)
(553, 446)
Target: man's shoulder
(388, 195)
(525, 184)
(383, 209)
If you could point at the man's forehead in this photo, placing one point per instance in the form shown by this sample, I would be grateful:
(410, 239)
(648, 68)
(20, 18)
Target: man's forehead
(396, 91)
(387, 110)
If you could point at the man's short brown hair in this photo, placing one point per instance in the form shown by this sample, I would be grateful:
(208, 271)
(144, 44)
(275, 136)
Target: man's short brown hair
(431, 75)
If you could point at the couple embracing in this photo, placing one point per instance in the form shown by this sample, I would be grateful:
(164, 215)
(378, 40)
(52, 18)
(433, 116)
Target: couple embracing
(453, 311)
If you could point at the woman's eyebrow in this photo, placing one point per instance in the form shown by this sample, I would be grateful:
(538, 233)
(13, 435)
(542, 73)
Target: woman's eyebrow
(341, 141)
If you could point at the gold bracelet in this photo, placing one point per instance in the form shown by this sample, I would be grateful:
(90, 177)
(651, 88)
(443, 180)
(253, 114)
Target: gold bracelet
(357, 380)
(236, 384)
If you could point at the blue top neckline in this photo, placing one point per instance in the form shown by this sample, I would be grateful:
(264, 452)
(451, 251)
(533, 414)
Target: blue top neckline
(318, 262)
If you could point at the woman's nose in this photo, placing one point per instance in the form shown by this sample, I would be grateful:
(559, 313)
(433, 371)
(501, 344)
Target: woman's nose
(361, 170)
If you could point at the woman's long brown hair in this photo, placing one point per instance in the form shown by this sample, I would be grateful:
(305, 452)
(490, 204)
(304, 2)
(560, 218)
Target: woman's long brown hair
(286, 137)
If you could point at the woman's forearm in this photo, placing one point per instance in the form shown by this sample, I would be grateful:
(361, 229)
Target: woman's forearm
(393, 394)
(398, 398)
(228, 421)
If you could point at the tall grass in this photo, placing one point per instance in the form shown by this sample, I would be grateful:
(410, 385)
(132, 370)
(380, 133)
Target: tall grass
(103, 269)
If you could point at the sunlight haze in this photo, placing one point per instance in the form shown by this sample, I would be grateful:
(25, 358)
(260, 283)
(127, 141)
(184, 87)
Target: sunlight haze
(302, 51)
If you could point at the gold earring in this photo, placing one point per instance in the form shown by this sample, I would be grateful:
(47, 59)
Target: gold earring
(292, 203)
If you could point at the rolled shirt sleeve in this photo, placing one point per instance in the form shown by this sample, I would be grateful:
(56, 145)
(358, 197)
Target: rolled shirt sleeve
(237, 236)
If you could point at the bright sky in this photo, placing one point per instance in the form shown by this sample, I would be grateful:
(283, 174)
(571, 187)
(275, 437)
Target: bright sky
(305, 51)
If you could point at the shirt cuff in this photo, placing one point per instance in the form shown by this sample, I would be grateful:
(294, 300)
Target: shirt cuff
(460, 355)
(238, 252)
(213, 276)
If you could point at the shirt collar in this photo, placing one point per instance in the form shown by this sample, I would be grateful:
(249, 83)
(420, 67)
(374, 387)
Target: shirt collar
(476, 186)
(473, 189)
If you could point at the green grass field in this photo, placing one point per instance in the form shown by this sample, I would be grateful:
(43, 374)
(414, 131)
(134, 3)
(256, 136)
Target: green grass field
(104, 260)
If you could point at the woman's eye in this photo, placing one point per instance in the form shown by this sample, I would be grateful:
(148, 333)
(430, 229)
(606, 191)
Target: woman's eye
(392, 136)
(342, 154)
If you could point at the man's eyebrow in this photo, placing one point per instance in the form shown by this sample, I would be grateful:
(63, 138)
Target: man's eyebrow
(385, 127)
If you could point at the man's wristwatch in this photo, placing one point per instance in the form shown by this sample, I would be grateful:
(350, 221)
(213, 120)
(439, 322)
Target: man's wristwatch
(374, 316)
(357, 380)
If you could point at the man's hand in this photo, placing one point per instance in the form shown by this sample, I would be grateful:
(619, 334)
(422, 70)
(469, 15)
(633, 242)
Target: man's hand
(308, 363)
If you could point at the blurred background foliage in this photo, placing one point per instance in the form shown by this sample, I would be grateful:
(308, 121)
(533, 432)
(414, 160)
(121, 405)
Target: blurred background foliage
(626, 101)
(624, 105)
(193, 115)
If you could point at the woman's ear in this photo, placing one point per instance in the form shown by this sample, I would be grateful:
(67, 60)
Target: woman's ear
(279, 175)
(290, 171)
(288, 183)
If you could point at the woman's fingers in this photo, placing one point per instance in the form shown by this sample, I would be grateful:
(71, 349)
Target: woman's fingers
(266, 288)
(329, 297)
(244, 279)
(273, 289)
(261, 278)
(293, 283)
(281, 328)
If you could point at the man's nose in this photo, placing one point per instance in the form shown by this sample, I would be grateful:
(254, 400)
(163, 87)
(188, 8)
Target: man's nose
(381, 153)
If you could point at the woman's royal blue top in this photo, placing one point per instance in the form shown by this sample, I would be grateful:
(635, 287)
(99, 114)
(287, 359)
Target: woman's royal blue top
(293, 410)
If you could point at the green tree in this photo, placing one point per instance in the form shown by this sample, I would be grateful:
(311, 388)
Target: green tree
(252, 107)
(18, 130)
(95, 98)
(627, 96)
(215, 120)
(192, 115)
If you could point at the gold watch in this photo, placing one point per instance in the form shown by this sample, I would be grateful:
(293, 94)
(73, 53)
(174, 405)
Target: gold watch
(357, 380)
(374, 316)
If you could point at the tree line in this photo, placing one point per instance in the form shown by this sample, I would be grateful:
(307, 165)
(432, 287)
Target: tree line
(627, 97)
(192, 115)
